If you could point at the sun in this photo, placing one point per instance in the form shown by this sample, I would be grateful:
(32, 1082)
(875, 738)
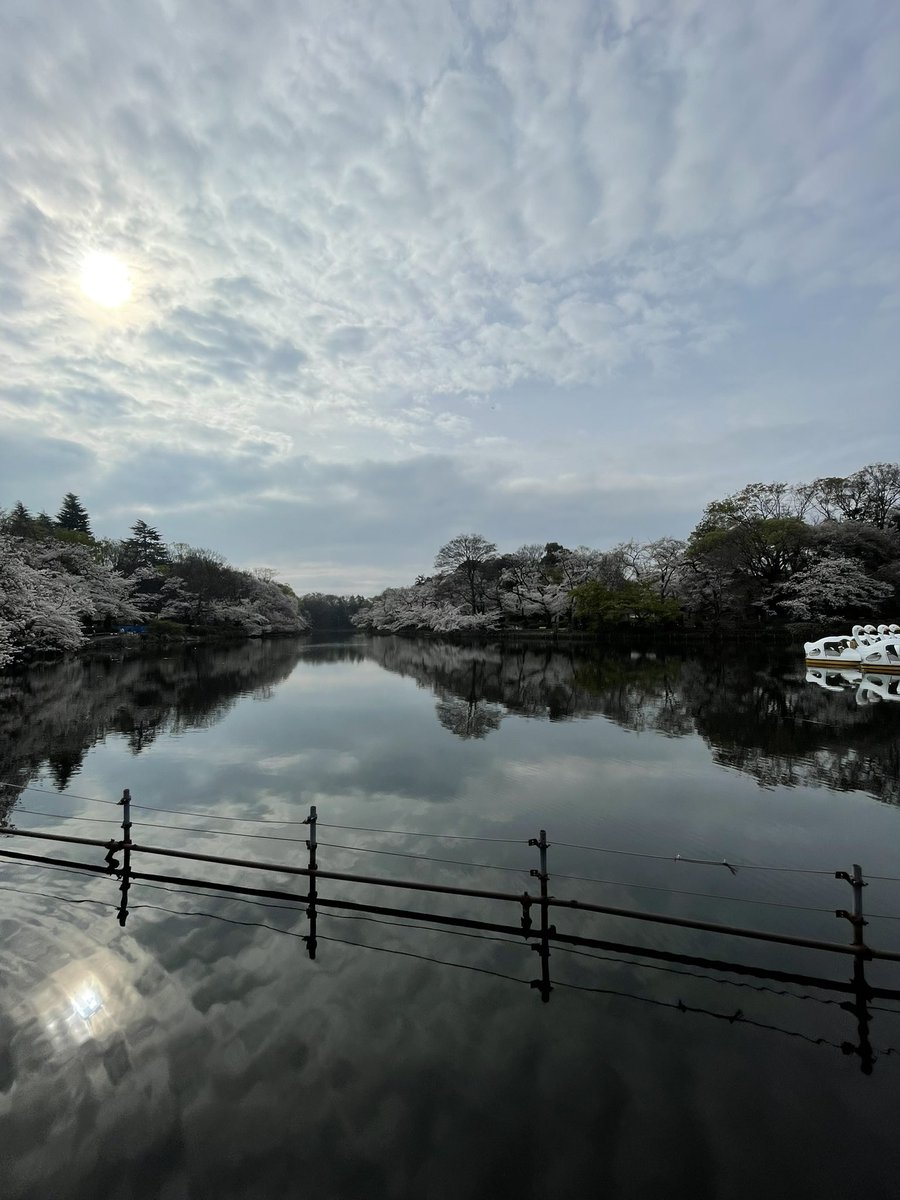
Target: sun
(105, 280)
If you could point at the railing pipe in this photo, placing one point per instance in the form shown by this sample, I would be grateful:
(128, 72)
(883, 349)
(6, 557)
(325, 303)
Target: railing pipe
(277, 868)
(854, 949)
(55, 837)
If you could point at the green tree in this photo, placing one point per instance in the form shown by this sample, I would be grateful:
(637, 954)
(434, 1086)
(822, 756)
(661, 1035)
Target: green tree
(207, 577)
(757, 502)
(755, 556)
(596, 604)
(73, 515)
(765, 550)
(20, 522)
(145, 548)
(873, 547)
(749, 543)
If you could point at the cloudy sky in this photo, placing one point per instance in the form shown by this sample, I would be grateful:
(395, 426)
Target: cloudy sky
(555, 270)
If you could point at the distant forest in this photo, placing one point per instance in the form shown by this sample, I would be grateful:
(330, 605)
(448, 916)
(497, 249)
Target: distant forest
(770, 555)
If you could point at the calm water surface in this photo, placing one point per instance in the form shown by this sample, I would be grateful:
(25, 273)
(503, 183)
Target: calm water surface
(199, 1052)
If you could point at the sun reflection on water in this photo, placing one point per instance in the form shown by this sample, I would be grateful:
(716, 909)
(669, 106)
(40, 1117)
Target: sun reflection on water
(77, 1002)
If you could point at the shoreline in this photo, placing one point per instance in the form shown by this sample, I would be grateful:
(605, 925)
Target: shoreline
(133, 645)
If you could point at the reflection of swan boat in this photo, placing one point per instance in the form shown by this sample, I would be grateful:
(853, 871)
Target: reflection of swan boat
(833, 681)
(878, 687)
(871, 688)
(866, 648)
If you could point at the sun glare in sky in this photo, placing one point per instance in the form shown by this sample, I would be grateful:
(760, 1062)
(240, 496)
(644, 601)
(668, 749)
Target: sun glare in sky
(105, 280)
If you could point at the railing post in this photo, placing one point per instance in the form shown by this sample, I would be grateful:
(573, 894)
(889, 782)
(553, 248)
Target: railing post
(310, 939)
(543, 984)
(855, 918)
(859, 1007)
(126, 855)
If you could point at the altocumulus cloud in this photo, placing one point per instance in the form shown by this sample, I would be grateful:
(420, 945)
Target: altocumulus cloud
(395, 260)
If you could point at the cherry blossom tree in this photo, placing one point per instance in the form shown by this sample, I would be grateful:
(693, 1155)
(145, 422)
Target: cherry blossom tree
(109, 595)
(466, 556)
(40, 609)
(831, 587)
(657, 564)
(418, 608)
(531, 587)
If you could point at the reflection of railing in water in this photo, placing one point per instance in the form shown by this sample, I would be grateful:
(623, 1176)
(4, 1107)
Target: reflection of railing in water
(541, 938)
(860, 1006)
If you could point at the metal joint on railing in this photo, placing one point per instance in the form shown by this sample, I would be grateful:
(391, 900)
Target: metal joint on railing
(851, 917)
(113, 865)
(538, 947)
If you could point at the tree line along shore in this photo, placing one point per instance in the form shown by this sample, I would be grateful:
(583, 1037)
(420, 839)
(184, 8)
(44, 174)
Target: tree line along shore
(62, 588)
(771, 556)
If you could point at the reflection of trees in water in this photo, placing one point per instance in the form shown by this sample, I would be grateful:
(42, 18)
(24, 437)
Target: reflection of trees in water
(534, 681)
(764, 719)
(469, 715)
(542, 681)
(754, 711)
(468, 718)
(641, 694)
(752, 708)
(51, 716)
(351, 650)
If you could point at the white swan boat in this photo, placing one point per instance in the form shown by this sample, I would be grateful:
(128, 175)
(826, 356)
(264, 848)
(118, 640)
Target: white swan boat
(865, 648)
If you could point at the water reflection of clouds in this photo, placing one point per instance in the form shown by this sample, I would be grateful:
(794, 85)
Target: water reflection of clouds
(390, 1066)
(323, 678)
(82, 1003)
(215, 1044)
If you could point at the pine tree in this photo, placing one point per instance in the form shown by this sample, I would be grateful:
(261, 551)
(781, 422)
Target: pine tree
(19, 521)
(73, 515)
(145, 547)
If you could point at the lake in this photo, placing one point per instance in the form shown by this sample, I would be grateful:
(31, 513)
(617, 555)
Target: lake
(199, 1051)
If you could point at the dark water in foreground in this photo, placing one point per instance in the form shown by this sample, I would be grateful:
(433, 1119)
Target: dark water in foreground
(198, 1052)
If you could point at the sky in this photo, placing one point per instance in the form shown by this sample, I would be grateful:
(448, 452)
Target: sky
(552, 270)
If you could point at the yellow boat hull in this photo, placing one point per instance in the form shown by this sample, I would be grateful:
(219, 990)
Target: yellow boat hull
(841, 664)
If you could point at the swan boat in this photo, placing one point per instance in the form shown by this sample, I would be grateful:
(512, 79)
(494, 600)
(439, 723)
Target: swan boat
(865, 648)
